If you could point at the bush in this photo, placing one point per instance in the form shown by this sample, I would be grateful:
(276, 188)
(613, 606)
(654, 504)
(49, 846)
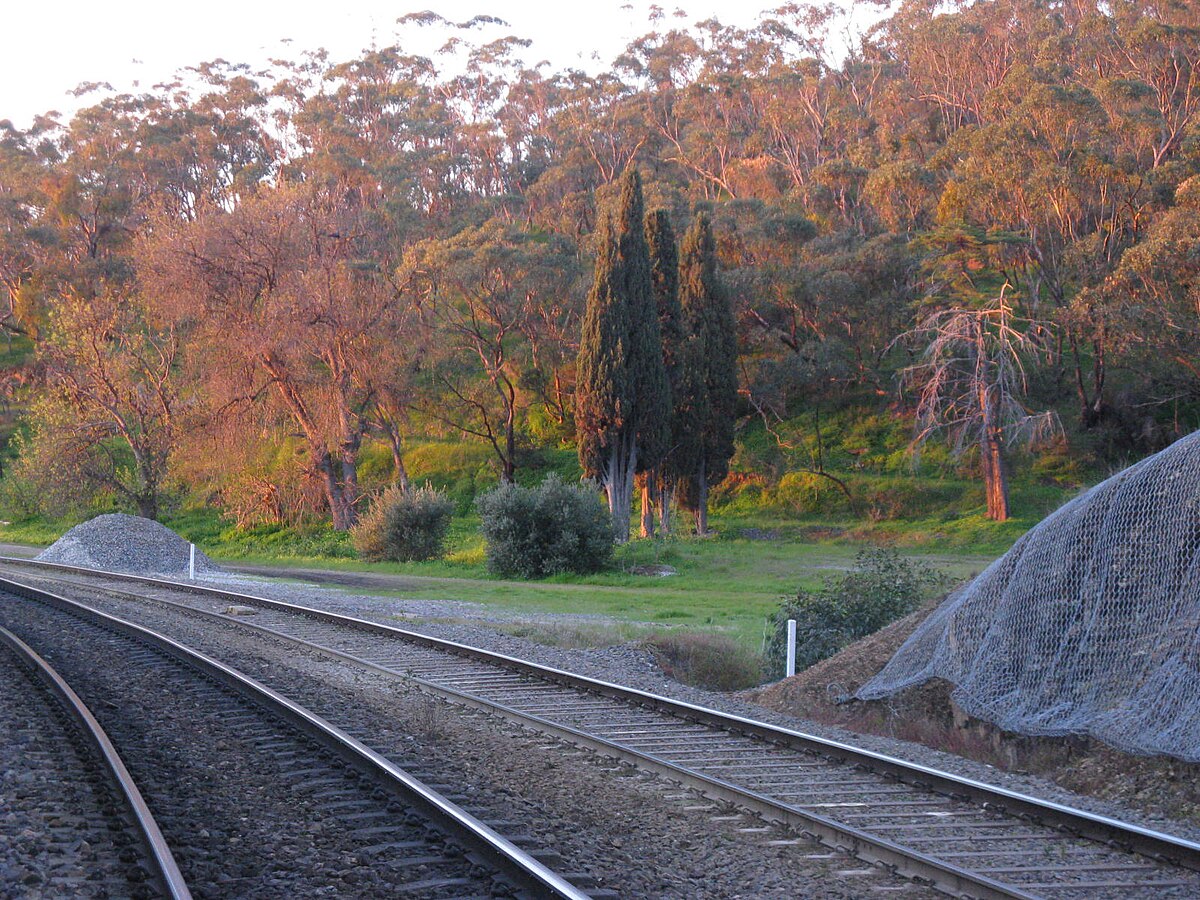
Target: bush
(553, 528)
(404, 526)
(882, 587)
(712, 661)
(806, 493)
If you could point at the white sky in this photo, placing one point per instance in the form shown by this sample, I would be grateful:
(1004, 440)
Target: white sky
(50, 46)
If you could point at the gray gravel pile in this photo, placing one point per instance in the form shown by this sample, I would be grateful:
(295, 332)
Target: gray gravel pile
(119, 543)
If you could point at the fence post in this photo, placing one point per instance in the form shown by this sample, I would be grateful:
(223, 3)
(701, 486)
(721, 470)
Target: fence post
(791, 648)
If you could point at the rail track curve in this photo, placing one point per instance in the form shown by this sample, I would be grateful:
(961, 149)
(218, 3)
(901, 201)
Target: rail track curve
(966, 838)
(156, 860)
(480, 845)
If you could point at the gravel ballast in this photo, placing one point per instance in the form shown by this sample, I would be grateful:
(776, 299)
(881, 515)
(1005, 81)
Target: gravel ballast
(60, 830)
(630, 832)
(632, 665)
(478, 625)
(249, 807)
(116, 542)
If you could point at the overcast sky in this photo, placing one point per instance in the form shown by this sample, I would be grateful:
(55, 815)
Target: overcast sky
(51, 46)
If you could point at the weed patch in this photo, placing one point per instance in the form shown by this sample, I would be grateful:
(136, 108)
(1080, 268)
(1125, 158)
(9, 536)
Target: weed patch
(703, 659)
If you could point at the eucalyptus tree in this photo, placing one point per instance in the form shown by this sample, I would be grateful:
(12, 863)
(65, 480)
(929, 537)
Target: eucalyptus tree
(1146, 309)
(24, 241)
(971, 383)
(482, 292)
(107, 419)
(289, 311)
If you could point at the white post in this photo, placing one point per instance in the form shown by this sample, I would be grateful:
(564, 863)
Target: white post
(192, 572)
(791, 648)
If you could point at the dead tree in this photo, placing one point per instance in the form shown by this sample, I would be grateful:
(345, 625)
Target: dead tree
(971, 382)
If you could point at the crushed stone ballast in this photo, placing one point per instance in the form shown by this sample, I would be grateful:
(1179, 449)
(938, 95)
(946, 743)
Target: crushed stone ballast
(926, 823)
(68, 744)
(278, 726)
(116, 542)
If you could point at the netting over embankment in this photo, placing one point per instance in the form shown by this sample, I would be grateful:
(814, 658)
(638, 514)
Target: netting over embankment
(1090, 624)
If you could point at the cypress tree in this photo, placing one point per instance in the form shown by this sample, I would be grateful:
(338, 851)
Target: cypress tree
(621, 389)
(652, 393)
(707, 402)
(664, 279)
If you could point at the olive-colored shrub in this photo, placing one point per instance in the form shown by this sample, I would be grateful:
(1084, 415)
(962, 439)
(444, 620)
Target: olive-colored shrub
(404, 526)
(552, 528)
(880, 588)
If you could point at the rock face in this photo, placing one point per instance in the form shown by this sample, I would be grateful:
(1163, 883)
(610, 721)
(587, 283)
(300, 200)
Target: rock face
(120, 543)
(1090, 624)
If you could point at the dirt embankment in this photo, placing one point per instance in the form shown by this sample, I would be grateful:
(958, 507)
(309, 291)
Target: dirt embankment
(925, 714)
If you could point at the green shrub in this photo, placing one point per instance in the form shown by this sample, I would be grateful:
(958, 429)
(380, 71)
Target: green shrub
(806, 493)
(553, 528)
(880, 588)
(404, 526)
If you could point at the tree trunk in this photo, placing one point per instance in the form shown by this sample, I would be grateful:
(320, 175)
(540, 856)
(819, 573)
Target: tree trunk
(349, 481)
(991, 451)
(323, 464)
(147, 505)
(995, 478)
(618, 485)
(665, 498)
(649, 488)
(394, 441)
(1090, 407)
(702, 499)
(146, 497)
(508, 472)
(320, 457)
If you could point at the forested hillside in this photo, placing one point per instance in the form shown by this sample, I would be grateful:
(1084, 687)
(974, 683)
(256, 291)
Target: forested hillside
(978, 225)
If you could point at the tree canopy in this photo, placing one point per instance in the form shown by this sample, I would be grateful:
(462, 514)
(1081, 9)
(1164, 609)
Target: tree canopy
(326, 252)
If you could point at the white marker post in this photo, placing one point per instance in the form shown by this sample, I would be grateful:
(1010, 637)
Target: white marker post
(192, 576)
(791, 648)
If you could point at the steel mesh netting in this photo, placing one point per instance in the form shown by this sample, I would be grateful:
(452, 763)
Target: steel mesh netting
(1090, 624)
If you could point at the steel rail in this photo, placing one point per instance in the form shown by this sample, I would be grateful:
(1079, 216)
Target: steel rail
(519, 868)
(861, 844)
(162, 868)
(1156, 845)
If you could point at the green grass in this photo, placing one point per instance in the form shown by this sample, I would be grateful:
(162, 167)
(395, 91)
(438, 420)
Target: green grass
(38, 532)
(725, 584)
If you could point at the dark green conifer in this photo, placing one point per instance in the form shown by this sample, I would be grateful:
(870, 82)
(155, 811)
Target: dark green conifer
(706, 404)
(664, 278)
(601, 401)
(622, 399)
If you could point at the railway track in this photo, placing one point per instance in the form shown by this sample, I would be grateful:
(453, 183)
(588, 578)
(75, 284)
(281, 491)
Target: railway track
(965, 838)
(88, 831)
(255, 794)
